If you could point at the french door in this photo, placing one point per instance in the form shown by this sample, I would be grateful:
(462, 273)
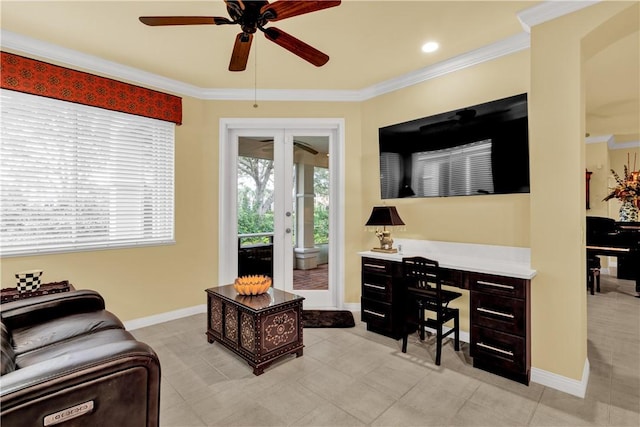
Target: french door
(280, 207)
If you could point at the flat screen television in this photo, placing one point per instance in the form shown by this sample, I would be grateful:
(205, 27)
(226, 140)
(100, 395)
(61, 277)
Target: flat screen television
(480, 149)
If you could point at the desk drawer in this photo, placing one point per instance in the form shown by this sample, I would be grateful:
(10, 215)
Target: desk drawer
(502, 351)
(456, 278)
(376, 266)
(376, 314)
(502, 313)
(377, 287)
(498, 285)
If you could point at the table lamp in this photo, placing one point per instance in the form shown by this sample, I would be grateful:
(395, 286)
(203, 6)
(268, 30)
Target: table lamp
(385, 216)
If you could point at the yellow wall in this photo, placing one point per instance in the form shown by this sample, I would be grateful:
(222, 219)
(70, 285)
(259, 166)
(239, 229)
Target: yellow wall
(559, 49)
(493, 219)
(141, 282)
(147, 281)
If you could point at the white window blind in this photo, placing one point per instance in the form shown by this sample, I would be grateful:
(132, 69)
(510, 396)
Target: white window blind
(74, 177)
(456, 171)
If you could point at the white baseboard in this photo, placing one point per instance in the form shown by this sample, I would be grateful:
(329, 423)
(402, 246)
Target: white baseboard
(164, 317)
(353, 307)
(564, 384)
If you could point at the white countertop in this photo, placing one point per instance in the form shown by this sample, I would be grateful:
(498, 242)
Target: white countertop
(499, 260)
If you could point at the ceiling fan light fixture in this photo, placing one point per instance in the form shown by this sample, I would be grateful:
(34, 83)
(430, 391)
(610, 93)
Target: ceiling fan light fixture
(429, 47)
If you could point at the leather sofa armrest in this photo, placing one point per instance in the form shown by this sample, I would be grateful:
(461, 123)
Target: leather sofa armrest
(40, 309)
(121, 380)
(72, 367)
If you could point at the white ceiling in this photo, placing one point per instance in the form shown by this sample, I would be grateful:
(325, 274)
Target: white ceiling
(369, 42)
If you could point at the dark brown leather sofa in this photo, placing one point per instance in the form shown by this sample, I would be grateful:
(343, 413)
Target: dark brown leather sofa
(68, 361)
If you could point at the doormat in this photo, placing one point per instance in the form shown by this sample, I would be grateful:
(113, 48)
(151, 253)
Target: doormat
(327, 319)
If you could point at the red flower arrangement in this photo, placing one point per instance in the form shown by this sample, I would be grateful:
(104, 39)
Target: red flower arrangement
(627, 188)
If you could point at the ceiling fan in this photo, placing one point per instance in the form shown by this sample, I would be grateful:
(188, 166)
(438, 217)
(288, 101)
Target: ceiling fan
(252, 16)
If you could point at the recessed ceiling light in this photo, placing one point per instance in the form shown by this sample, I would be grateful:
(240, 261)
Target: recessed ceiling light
(430, 47)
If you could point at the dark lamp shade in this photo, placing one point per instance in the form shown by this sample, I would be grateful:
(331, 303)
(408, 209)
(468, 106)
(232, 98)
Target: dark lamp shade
(384, 215)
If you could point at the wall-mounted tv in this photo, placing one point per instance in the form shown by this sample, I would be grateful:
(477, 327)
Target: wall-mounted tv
(480, 149)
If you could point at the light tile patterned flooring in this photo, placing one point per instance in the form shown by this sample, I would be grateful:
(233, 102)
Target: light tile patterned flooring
(351, 377)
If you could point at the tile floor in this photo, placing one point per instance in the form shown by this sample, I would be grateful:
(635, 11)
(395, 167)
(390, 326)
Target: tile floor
(351, 377)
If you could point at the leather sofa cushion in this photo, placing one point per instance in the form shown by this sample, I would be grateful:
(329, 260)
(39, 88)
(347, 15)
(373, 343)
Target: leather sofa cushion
(7, 356)
(62, 329)
(73, 347)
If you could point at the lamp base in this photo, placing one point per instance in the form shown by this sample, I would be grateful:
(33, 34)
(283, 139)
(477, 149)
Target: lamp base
(386, 251)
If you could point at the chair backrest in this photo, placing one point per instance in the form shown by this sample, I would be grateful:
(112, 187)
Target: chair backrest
(423, 275)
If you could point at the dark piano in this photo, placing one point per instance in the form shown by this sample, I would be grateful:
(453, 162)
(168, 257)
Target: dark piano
(607, 237)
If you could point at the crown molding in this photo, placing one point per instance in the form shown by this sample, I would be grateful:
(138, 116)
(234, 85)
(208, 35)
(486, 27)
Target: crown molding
(543, 12)
(611, 142)
(44, 50)
(600, 138)
(623, 145)
(550, 10)
(486, 53)
(21, 44)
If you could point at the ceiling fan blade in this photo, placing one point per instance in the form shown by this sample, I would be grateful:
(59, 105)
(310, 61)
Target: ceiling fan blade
(184, 20)
(287, 8)
(240, 54)
(297, 47)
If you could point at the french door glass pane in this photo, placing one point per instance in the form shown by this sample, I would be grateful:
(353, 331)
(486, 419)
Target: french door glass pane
(255, 183)
(311, 189)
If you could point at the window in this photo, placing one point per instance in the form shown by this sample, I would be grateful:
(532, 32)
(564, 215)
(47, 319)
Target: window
(456, 171)
(74, 177)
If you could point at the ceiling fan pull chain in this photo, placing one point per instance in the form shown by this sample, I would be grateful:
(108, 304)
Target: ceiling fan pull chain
(255, 76)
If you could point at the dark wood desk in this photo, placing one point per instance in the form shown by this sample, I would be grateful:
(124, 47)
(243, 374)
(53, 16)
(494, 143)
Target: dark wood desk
(260, 328)
(500, 313)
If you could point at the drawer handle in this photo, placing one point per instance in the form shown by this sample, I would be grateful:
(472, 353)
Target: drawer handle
(497, 313)
(369, 285)
(499, 350)
(495, 285)
(379, 267)
(374, 313)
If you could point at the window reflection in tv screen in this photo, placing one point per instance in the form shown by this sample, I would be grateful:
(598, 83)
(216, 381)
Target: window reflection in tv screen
(481, 149)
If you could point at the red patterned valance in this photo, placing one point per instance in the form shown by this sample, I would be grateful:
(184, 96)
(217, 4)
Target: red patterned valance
(40, 78)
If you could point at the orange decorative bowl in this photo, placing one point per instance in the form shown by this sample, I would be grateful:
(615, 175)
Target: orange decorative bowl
(252, 285)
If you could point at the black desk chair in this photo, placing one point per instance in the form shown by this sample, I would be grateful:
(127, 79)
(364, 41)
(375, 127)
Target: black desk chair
(423, 281)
